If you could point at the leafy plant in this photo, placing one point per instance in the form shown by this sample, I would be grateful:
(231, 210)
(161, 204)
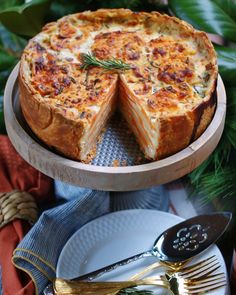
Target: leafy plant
(23, 17)
(2, 125)
(213, 16)
(11, 46)
(215, 179)
(134, 291)
(227, 63)
(60, 8)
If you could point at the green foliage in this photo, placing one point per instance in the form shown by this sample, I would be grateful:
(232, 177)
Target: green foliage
(228, 6)
(230, 124)
(60, 8)
(227, 63)
(23, 18)
(134, 291)
(11, 42)
(5, 4)
(131, 4)
(2, 125)
(208, 15)
(6, 59)
(220, 185)
(216, 177)
(10, 50)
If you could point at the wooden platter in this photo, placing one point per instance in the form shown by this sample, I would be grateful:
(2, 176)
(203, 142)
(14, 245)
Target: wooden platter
(108, 178)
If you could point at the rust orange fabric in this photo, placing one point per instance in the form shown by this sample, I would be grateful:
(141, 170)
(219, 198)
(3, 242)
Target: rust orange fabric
(15, 173)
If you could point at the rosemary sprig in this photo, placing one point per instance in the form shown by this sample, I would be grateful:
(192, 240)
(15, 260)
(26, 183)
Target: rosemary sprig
(134, 291)
(89, 60)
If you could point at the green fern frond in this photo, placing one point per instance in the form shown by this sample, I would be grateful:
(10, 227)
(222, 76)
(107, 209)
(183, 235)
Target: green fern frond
(134, 291)
(220, 158)
(221, 186)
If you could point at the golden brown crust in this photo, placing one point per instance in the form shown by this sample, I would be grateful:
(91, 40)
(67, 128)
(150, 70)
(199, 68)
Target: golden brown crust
(203, 115)
(178, 132)
(63, 130)
(175, 134)
(52, 128)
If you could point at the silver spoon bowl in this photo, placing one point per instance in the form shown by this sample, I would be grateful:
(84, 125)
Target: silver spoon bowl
(178, 243)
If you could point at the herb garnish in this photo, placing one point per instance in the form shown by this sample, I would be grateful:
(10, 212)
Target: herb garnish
(109, 64)
(134, 291)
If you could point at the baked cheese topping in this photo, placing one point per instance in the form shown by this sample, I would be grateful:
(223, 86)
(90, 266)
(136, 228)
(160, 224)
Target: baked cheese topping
(65, 85)
(124, 45)
(167, 71)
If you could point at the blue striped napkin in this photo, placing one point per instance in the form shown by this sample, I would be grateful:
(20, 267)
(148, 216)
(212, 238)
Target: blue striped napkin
(153, 198)
(38, 252)
(69, 192)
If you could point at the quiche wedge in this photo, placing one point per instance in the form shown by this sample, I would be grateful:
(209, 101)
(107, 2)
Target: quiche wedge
(167, 96)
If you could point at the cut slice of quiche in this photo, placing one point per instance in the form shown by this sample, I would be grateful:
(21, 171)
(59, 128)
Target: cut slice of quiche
(167, 96)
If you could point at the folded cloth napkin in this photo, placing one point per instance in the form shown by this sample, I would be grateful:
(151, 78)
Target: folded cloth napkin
(67, 191)
(38, 252)
(15, 173)
(152, 198)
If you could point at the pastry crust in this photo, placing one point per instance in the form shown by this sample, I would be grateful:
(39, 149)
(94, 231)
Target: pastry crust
(167, 97)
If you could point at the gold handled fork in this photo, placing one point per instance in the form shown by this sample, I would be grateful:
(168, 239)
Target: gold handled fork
(193, 279)
(203, 267)
(175, 284)
(189, 276)
(181, 286)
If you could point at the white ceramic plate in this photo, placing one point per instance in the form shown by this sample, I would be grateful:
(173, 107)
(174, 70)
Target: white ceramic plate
(116, 236)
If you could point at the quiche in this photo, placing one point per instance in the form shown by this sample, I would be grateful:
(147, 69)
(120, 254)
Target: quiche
(167, 95)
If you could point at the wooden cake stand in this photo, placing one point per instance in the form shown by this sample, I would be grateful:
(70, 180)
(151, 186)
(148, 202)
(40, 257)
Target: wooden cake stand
(108, 178)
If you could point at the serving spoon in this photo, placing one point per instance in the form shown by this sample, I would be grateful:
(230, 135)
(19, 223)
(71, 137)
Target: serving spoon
(176, 244)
